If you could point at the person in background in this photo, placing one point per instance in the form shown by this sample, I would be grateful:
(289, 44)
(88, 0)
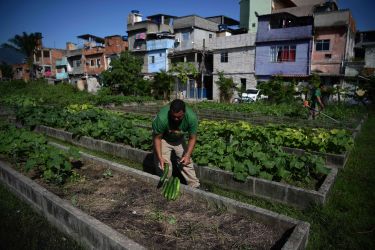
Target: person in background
(316, 101)
(169, 128)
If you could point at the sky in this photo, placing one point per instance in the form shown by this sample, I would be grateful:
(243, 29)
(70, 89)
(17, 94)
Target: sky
(61, 21)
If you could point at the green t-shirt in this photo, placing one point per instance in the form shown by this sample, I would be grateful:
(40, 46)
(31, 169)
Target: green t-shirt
(161, 125)
(316, 94)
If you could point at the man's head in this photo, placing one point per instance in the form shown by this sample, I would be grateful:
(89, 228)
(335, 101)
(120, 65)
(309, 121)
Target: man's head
(177, 111)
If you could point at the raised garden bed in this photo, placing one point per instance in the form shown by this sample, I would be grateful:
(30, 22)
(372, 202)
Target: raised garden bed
(275, 191)
(133, 210)
(256, 119)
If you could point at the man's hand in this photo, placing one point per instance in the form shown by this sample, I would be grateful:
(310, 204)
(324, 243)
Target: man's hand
(161, 162)
(185, 160)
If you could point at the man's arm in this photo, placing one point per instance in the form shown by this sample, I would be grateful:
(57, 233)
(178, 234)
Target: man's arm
(320, 101)
(185, 160)
(157, 147)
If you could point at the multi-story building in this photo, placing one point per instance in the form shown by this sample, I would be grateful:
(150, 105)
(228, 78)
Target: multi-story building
(151, 39)
(334, 37)
(84, 63)
(333, 44)
(234, 56)
(192, 34)
(251, 9)
(283, 46)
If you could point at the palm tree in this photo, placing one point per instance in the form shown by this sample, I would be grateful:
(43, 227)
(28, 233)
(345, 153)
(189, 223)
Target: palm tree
(26, 44)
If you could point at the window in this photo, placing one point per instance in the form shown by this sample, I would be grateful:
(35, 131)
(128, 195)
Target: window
(185, 36)
(224, 57)
(243, 84)
(286, 53)
(152, 59)
(92, 63)
(77, 63)
(253, 25)
(98, 62)
(322, 45)
(210, 36)
(45, 53)
(327, 56)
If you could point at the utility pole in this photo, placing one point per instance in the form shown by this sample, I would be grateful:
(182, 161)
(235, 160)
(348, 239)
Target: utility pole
(203, 66)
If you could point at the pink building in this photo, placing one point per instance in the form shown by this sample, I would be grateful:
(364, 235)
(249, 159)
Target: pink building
(334, 41)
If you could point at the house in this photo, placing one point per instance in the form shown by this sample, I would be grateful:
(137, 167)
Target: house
(151, 39)
(334, 42)
(158, 47)
(192, 34)
(251, 9)
(114, 46)
(365, 52)
(234, 56)
(283, 46)
(84, 63)
(334, 37)
(233, 52)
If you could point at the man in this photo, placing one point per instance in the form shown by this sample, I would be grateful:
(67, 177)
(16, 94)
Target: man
(168, 128)
(316, 101)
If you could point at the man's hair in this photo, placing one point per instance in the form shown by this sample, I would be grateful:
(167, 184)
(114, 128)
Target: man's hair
(177, 105)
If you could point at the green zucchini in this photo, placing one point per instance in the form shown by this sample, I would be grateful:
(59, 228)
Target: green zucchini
(176, 183)
(177, 189)
(165, 173)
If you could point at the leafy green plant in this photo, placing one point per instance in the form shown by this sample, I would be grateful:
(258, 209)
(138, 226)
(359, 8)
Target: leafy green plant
(33, 152)
(226, 87)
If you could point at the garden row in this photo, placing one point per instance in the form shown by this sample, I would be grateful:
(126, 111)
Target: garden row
(137, 222)
(293, 114)
(240, 148)
(40, 93)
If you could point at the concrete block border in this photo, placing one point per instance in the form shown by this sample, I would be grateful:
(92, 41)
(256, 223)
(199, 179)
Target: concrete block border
(271, 190)
(331, 160)
(96, 235)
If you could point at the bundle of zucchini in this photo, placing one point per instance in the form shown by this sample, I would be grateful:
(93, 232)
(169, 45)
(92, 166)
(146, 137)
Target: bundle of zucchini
(171, 186)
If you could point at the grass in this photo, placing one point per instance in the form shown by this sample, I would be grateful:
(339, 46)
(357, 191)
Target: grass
(347, 220)
(22, 228)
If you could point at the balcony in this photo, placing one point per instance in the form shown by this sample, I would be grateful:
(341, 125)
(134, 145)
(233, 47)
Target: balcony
(76, 71)
(160, 44)
(149, 27)
(61, 62)
(75, 52)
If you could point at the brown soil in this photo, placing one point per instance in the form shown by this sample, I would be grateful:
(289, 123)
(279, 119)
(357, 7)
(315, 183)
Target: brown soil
(138, 210)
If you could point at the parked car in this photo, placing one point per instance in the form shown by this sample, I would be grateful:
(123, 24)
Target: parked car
(250, 95)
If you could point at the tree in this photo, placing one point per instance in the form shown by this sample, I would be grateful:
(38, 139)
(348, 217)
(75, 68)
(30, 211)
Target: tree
(277, 90)
(25, 43)
(162, 85)
(226, 87)
(124, 75)
(6, 71)
(183, 70)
